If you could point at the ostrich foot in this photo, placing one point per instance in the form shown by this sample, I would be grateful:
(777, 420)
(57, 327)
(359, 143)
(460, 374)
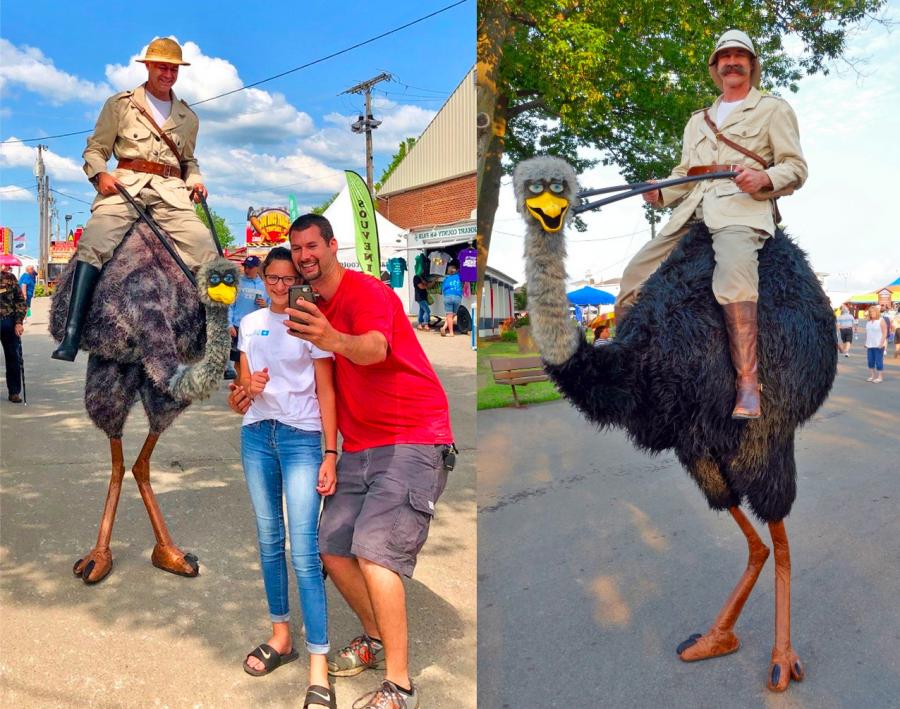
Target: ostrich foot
(94, 567)
(714, 644)
(170, 558)
(785, 667)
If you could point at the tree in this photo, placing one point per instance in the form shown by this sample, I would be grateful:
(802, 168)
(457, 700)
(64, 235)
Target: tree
(624, 75)
(325, 205)
(226, 238)
(402, 152)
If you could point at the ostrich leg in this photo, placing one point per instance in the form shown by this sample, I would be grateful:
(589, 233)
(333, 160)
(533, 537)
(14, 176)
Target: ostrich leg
(720, 638)
(98, 563)
(166, 555)
(785, 663)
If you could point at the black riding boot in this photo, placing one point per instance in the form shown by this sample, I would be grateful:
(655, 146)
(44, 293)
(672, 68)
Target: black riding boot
(83, 282)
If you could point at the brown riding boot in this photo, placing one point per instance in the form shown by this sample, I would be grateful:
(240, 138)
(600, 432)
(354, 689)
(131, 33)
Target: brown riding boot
(742, 332)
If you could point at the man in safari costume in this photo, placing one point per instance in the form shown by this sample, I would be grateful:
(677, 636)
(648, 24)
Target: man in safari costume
(758, 137)
(152, 134)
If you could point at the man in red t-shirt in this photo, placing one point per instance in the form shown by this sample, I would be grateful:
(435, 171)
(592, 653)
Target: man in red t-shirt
(394, 418)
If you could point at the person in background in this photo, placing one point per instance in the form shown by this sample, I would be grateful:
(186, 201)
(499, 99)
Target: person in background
(451, 289)
(601, 335)
(291, 384)
(12, 319)
(896, 326)
(845, 323)
(251, 295)
(421, 285)
(27, 282)
(876, 340)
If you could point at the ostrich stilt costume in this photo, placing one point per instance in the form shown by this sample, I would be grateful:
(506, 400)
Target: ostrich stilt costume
(153, 335)
(667, 376)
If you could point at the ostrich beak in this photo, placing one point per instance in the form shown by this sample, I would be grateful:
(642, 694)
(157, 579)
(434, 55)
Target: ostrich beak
(222, 293)
(549, 210)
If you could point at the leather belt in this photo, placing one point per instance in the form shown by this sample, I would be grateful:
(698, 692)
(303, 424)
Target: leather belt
(707, 169)
(155, 168)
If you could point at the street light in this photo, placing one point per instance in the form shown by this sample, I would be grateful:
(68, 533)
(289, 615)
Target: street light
(68, 219)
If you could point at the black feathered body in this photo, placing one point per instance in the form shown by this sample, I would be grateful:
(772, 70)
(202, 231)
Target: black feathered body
(145, 320)
(668, 379)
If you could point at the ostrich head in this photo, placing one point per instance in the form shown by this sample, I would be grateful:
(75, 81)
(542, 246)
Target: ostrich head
(217, 282)
(545, 188)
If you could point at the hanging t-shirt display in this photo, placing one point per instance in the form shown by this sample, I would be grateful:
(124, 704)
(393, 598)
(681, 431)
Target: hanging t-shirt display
(468, 265)
(396, 267)
(439, 261)
(421, 265)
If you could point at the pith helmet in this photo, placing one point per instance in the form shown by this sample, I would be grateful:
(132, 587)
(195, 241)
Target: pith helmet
(734, 39)
(164, 51)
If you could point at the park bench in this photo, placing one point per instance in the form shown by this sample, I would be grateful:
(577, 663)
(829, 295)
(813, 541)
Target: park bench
(518, 371)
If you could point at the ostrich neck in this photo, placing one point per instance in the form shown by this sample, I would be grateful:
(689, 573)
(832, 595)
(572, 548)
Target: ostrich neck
(553, 331)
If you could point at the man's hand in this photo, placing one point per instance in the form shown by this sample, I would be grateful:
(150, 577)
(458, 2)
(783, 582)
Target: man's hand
(106, 184)
(327, 476)
(258, 381)
(238, 400)
(232, 331)
(20, 328)
(315, 327)
(197, 190)
(652, 197)
(259, 301)
(752, 181)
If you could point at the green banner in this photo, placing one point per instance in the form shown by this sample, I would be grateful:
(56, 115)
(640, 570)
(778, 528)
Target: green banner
(367, 250)
(292, 206)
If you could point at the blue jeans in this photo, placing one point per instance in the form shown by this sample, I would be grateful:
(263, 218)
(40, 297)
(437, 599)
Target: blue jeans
(424, 312)
(875, 357)
(280, 458)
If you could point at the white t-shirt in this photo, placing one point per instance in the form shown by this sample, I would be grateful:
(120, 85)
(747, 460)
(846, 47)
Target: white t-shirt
(290, 394)
(873, 333)
(160, 110)
(724, 110)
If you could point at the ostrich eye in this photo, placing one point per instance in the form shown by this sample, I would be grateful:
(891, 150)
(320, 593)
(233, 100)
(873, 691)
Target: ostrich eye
(535, 188)
(557, 187)
(228, 279)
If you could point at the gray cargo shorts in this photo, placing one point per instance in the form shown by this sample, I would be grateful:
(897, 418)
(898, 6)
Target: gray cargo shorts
(383, 505)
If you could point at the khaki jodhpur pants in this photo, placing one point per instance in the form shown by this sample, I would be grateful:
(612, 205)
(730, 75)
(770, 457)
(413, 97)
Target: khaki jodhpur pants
(110, 222)
(735, 277)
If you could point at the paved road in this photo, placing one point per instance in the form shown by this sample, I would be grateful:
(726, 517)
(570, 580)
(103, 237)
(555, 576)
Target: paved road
(146, 638)
(596, 560)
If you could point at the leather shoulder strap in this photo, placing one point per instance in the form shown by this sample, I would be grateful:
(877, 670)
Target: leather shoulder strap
(731, 143)
(146, 114)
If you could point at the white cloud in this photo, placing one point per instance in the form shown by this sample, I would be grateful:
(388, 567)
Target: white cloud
(15, 194)
(252, 115)
(29, 68)
(338, 143)
(16, 154)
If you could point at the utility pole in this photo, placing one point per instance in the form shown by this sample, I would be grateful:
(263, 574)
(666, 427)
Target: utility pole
(367, 124)
(43, 212)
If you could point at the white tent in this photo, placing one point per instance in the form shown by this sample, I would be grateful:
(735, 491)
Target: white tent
(391, 238)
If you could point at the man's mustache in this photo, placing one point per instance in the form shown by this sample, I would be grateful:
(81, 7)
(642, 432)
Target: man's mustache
(732, 69)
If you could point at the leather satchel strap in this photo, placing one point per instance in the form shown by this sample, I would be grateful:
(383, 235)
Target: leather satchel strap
(162, 134)
(731, 143)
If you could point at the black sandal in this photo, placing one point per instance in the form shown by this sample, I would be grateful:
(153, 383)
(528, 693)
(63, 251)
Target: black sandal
(270, 658)
(317, 695)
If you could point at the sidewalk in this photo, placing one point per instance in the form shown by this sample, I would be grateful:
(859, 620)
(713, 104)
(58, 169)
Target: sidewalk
(143, 637)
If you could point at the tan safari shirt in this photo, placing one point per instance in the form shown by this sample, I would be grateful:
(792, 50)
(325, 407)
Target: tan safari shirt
(122, 131)
(765, 125)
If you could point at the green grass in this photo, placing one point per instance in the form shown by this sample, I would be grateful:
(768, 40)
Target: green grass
(494, 396)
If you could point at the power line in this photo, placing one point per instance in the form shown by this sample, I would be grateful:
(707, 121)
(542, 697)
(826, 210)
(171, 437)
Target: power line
(276, 76)
(70, 196)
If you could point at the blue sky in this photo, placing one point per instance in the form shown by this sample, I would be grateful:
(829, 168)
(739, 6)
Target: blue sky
(844, 217)
(60, 61)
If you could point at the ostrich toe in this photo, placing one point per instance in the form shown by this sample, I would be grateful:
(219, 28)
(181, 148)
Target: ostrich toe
(714, 644)
(94, 567)
(170, 558)
(786, 666)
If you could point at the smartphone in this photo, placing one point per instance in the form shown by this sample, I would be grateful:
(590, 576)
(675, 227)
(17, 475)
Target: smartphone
(296, 293)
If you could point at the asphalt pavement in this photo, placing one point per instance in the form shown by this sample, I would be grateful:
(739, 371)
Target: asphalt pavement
(595, 560)
(143, 637)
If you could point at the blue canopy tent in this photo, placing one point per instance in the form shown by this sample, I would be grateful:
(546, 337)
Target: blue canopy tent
(590, 296)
